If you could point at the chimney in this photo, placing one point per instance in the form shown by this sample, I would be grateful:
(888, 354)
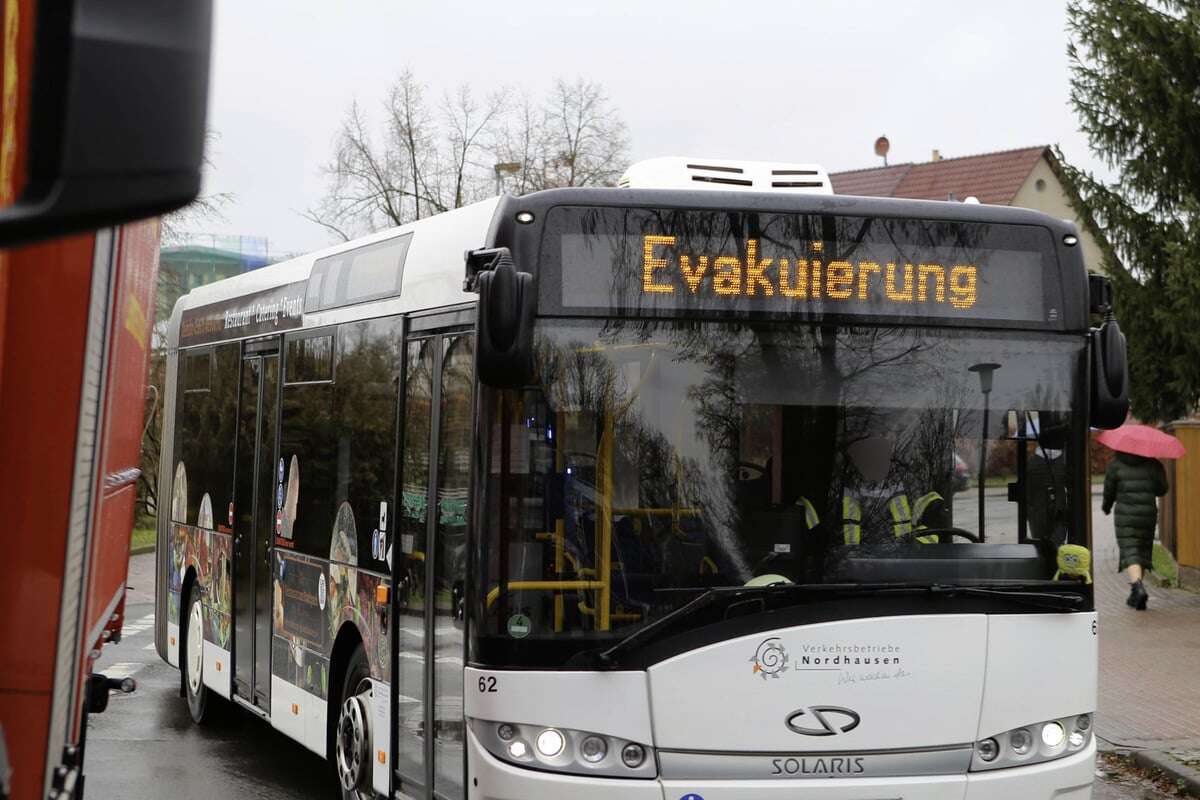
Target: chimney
(937, 155)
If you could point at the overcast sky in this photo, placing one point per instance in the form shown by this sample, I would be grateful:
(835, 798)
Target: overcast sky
(797, 81)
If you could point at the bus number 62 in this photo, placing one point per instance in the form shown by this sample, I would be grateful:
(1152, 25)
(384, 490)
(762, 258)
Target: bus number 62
(487, 684)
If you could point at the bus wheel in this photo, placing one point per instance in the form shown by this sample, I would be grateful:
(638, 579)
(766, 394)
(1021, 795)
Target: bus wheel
(192, 662)
(352, 741)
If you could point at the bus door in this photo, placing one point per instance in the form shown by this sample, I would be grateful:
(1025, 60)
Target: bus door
(430, 564)
(256, 502)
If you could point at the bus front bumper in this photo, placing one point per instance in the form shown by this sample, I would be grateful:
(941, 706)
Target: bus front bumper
(489, 778)
(1067, 778)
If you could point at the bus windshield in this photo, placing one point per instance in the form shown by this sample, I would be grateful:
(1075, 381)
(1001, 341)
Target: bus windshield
(656, 459)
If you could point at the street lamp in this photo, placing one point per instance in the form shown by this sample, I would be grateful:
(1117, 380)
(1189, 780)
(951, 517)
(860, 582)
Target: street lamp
(505, 168)
(985, 371)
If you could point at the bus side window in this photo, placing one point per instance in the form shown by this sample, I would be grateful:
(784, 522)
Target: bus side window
(366, 391)
(205, 432)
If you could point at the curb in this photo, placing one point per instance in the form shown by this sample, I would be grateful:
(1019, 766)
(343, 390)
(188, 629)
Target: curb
(146, 548)
(1187, 778)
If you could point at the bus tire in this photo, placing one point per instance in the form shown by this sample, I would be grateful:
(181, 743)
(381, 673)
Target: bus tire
(191, 664)
(351, 754)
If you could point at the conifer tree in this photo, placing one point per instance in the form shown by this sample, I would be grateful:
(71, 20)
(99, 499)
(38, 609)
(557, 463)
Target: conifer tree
(1135, 86)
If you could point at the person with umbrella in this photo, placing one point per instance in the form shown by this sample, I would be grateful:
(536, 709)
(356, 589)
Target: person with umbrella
(1133, 480)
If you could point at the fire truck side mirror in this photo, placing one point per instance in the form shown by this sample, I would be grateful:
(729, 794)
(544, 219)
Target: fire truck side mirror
(117, 98)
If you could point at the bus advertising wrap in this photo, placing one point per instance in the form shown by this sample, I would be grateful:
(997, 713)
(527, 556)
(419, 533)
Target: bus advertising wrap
(268, 311)
(660, 262)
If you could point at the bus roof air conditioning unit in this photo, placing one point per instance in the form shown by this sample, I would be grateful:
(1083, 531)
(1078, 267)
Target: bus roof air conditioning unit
(725, 175)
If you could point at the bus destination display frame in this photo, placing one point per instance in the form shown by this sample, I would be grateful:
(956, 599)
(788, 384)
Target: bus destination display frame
(694, 262)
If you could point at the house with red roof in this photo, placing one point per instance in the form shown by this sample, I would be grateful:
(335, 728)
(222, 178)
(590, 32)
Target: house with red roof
(1027, 178)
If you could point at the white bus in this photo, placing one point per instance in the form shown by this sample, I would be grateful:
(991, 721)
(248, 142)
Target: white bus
(658, 493)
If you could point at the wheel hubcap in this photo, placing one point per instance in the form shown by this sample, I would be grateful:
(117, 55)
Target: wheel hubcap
(195, 648)
(353, 739)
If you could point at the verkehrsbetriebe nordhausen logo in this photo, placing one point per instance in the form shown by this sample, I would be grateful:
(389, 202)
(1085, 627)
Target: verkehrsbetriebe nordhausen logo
(770, 659)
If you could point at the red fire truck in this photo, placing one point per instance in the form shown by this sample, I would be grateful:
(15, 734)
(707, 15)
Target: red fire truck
(101, 124)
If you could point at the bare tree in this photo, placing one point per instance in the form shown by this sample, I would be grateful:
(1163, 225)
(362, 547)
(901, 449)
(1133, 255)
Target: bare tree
(368, 185)
(574, 138)
(468, 123)
(412, 129)
(428, 158)
(205, 208)
(585, 138)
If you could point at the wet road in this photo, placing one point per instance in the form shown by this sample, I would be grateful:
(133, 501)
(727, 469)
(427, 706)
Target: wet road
(146, 745)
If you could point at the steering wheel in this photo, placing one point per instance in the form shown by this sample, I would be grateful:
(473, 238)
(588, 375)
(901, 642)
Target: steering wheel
(757, 471)
(959, 532)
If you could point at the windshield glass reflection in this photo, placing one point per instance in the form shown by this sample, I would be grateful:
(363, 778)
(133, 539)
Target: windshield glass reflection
(657, 458)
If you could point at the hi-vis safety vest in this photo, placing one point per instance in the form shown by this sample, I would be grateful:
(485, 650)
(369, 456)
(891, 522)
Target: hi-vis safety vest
(919, 508)
(811, 518)
(901, 512)
(851, 520)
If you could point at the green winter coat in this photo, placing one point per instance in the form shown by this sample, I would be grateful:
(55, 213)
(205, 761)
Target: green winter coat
(1132, 483)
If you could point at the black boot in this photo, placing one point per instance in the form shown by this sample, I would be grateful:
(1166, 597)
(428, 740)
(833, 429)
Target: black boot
(1132, 600)
(1139, 596)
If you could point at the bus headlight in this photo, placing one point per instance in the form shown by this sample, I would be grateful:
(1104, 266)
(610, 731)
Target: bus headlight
(1053, 734)
(565, 750)
(593, 749)
(1033, 744)
(632, 755)
(550, 743)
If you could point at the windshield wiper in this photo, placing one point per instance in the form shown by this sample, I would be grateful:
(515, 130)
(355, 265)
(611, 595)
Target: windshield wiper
(1052, 601)
(649, 632)
(652, 631)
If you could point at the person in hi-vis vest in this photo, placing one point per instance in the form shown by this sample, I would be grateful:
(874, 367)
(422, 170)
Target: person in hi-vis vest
(876, 499)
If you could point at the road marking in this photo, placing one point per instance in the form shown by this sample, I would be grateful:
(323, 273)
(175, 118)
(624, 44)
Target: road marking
(149, 646)
(138, 626)
(123, 669)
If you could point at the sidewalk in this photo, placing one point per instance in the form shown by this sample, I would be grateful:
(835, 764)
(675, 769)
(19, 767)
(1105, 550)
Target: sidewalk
(1149, 661)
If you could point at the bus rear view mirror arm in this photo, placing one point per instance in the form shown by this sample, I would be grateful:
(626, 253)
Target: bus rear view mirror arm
(504, 335)
(116, 133)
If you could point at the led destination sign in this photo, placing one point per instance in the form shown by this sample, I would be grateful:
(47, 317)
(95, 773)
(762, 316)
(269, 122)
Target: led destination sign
(804, 278)
(639, 261)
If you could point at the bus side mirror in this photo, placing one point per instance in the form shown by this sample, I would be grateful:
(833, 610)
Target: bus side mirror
(1110, 376)
(117, 111)
(504, 329)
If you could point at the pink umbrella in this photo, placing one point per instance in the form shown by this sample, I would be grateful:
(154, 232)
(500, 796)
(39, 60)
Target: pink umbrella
(1142, 440)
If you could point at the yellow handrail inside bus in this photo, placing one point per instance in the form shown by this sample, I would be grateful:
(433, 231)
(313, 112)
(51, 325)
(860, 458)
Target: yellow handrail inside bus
(560, 552)
(620, 615)
(558, 586)
(604, 521)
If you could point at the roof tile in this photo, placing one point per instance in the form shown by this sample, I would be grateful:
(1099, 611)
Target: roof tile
(994, 178)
